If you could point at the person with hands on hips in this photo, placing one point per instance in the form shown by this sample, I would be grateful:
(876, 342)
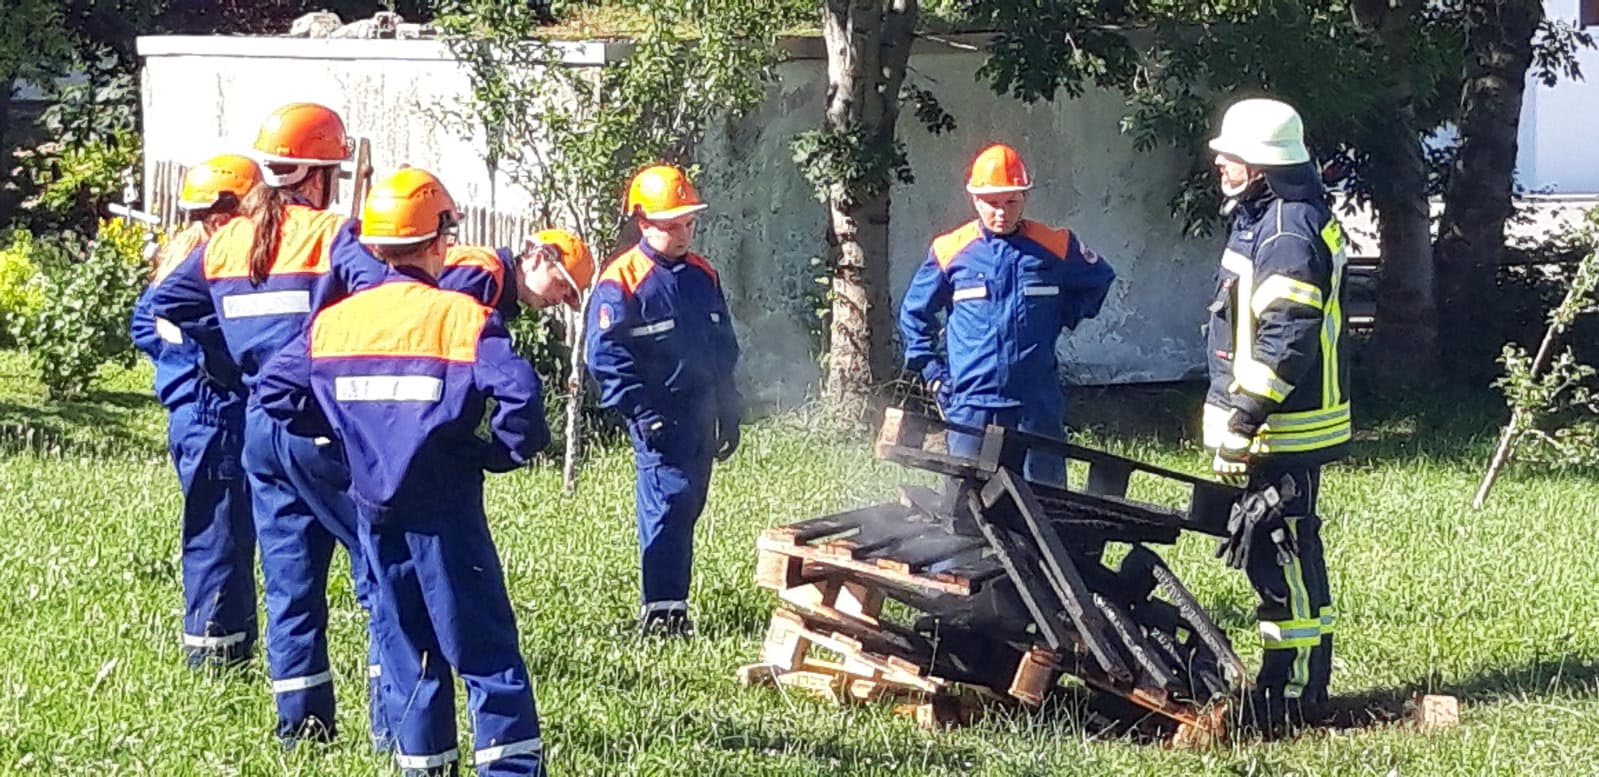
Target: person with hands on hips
(662, 349)
(1277, 408)
(999, 291)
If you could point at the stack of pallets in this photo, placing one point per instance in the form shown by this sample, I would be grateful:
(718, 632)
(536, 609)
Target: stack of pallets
(1001, 589)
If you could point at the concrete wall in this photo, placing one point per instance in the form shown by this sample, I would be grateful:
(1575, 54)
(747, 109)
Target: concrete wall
(1556, 150)
(205, 95)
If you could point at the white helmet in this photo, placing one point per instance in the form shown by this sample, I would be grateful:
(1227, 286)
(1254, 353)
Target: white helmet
(1262, 132)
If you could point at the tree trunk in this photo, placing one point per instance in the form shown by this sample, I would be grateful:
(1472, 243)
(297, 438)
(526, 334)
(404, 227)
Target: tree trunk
(1405, 342)
(868, 48)
(1471, 235)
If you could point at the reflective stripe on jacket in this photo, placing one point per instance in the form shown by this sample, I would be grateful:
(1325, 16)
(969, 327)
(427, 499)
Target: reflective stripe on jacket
(211, 297)
(402, 372)
(1278, 351)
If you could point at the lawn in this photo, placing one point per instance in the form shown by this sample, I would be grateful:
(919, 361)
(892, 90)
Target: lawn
(1497, 607)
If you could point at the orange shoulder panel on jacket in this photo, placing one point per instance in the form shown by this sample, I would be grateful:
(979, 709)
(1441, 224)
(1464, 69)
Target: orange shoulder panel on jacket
(699, 261)
(481, 258)
(401, 319)
(628, 270)
(305, 245)
(947, 245)
(1055, 241)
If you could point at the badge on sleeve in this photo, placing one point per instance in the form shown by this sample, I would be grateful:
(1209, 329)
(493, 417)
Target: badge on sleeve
(605, 316)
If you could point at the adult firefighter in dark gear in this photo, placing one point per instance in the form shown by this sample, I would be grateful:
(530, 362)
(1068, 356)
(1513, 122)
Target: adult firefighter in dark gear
(1278, 406)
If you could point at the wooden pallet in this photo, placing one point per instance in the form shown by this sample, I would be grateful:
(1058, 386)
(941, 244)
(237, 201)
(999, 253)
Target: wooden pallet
(1009, 589)
(912, 441)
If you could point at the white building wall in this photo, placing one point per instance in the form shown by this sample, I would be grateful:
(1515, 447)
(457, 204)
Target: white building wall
(206, 95)
(1557, 153)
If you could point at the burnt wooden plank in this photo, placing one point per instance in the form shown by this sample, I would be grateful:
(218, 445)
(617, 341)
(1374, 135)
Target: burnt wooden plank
(1059, 570)
(1205, 629)
(1021, 567)
(839, 523)
(922, 551)
(1145, 655)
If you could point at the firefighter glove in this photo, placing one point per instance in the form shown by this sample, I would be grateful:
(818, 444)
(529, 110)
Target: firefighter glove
(1231, 461)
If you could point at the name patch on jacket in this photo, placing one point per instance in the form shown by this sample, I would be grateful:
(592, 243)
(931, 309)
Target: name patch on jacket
(388, 388)
(266, 303)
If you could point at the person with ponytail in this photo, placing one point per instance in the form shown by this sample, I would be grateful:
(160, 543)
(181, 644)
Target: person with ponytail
(205, 429)
(246, 292)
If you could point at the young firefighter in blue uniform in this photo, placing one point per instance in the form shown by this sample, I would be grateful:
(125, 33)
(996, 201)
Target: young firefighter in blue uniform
(557, 270)
(401, 372)
(1000, 289)
(205, 433)
(1278, 404)
(246, 292)
(661, 347)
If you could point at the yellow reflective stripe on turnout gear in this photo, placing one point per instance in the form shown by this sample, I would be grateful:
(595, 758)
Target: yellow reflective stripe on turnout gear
(1258, 379)
(1280, 288)
(1237, 263)
(1332, 322)
(1329, 618)
(1299, 442)
(1308, 420)
(1299, 604)
(1248, 374)
(1276, 635)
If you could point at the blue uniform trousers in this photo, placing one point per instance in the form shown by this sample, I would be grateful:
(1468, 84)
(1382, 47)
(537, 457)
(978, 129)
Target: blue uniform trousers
(1295, 610)
(673, 478)
(1040, 467)
(302, 509)
(443, 606)
(219, 621)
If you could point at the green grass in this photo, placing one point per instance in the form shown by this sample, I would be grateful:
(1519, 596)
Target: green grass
(1496, 607)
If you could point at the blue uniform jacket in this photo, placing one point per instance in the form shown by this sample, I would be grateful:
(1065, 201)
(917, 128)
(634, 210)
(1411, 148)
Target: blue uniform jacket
(487, 275)
(660, 340)
(210, 295)
(402, 373)
(1004, 300)
(180, 376)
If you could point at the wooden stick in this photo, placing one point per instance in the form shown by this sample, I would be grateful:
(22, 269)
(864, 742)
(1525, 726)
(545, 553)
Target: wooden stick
(1518, 421)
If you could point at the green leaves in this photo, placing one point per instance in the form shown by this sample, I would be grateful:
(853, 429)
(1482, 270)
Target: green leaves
(81, 323)
(850, 165)
(1555, 407)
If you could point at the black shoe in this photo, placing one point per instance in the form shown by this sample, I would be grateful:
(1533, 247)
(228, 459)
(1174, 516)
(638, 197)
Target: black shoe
(666, 623)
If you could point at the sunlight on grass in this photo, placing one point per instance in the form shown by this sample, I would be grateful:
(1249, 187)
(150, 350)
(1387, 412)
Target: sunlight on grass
(1495, 607)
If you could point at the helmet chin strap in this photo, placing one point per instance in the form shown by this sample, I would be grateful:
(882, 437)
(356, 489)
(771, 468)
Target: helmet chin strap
(1236, 193)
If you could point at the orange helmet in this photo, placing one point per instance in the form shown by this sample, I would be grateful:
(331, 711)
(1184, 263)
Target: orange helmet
(660, 193)
(303, 134)
(998, 169)
(576, 261)
(205, 183)
(409, 206)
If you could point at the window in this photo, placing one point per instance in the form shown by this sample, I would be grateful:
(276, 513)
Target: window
(1588, 14)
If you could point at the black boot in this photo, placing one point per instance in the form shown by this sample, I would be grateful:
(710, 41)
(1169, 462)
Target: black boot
(666, 623)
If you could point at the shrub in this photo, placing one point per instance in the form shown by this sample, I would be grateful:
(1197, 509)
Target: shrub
(21, 286)
(88, 292)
